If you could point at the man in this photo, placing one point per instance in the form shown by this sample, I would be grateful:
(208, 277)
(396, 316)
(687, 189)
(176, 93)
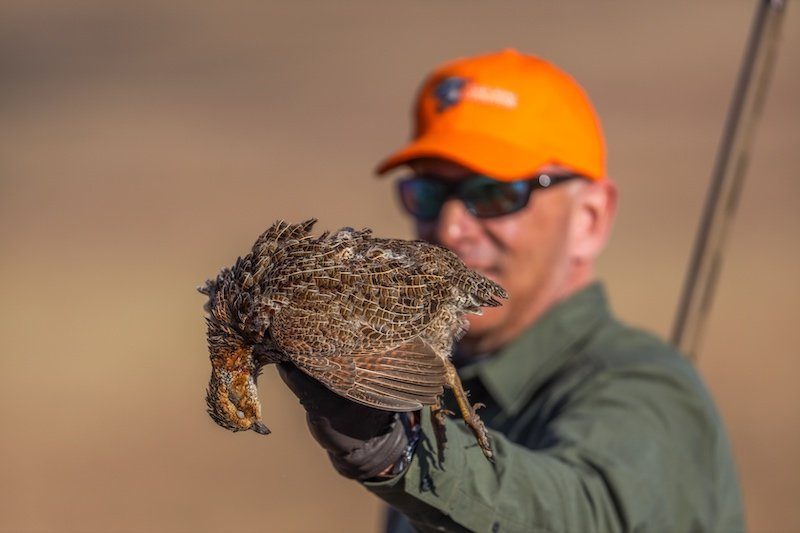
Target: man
(595, 426)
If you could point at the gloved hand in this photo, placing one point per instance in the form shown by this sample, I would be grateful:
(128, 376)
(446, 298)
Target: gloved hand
(361, 442)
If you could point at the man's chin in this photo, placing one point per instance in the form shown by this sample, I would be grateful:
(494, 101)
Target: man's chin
(480, 325)
(479, 339)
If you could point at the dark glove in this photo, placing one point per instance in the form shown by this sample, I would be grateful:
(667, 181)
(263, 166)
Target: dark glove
(361, 442)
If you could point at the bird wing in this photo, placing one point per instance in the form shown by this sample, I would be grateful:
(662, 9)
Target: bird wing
(392, 369)
(404, 378)
(354, 313)
(327, 304)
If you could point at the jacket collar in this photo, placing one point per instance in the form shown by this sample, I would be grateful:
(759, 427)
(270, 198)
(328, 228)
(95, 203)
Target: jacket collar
(516, 372)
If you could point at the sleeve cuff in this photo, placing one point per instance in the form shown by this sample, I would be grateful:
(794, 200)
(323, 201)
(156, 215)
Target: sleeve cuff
(428, 488)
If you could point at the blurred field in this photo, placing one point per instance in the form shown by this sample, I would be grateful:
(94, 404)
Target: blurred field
(145, 145)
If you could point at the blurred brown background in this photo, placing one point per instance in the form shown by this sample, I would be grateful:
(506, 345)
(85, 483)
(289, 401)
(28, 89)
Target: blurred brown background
(144, 145)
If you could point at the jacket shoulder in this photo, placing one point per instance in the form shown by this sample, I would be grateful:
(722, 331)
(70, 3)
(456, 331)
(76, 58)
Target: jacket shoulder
(616, 346)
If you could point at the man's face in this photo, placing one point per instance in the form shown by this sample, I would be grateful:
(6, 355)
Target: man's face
(527, 252)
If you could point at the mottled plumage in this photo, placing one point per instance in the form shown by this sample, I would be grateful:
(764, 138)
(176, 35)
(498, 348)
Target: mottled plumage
(373, 319)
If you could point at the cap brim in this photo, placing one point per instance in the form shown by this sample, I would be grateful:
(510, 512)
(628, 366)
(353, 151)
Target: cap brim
(482, 154)
(479, 153)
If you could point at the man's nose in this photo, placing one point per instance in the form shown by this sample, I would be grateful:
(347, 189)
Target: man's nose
(454, 223)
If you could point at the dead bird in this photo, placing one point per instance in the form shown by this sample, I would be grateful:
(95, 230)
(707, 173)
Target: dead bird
(372, 319)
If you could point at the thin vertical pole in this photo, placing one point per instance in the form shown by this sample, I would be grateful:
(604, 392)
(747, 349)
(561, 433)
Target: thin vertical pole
(729, 170)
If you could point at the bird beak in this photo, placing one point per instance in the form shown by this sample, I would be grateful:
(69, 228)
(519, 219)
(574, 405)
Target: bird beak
(259, 427)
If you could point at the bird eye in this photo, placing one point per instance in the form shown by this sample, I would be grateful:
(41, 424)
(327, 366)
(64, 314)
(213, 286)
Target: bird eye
(240, 413)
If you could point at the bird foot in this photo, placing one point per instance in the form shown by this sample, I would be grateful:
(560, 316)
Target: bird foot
(437, 417)
(478, 429)
(467, 410)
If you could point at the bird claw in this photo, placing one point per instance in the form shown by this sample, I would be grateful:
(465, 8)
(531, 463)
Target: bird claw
(437, 418)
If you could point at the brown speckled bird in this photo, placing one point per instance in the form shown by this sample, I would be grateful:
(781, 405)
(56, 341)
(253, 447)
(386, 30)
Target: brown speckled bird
(372, 319)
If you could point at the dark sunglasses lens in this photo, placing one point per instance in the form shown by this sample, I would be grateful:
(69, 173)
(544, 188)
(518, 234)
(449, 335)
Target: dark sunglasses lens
(485, 197)
(422, 198)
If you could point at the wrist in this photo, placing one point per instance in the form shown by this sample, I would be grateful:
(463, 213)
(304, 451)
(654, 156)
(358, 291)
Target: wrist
(410, 423)
(383, 455)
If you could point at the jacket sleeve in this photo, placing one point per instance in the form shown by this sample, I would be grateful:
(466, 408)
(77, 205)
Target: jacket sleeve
(629, 449)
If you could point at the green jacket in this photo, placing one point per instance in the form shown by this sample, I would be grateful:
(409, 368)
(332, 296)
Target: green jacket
(596, 426)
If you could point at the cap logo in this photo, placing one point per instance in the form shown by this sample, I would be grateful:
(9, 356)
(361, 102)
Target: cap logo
(448, 92)
(453, 90)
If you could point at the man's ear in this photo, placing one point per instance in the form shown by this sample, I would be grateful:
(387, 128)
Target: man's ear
(595, 208)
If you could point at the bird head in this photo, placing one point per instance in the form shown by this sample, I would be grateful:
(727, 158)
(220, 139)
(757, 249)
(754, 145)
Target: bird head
(232, 397)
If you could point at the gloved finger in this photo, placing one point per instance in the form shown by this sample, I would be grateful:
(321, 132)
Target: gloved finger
(302, 385)
(327, 411)
(342, 435)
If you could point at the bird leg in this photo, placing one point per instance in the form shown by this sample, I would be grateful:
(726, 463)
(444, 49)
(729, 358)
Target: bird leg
(438, 414)
(471, 418)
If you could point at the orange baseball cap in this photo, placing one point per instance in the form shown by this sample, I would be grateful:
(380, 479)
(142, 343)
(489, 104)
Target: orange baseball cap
(505, 115)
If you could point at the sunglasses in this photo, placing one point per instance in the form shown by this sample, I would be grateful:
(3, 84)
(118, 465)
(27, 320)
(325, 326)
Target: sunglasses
(423, 195)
